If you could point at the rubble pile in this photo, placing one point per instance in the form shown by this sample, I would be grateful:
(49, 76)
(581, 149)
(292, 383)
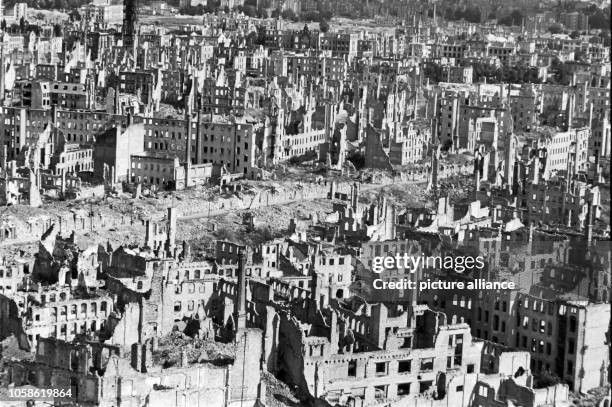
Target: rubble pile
(593, 398)
(198, 350)
(278, 394)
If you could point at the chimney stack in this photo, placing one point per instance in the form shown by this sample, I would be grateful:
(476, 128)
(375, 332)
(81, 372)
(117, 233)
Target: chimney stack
(171, 232)
(589, 223)
(354, 196)
(240, 305)
(149, 234)
(570, 111)
(189, 98)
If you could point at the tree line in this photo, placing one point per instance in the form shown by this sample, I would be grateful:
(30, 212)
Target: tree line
(469, 14)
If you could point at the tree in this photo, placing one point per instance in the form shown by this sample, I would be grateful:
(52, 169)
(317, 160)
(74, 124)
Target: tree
(324, 26)
(260, 37)
(579, 55)
(35, 29)
(75, 15)
(555, 29)
(326, 15)
(599, 19)
(250, 11)
(193, 10)
(472, 14)
(449, 14)
(545, 379)
(574, 34)
(311, 16)
(514, 18)
(562, 73)
(433, 71)
(3, 24)
(289, 14)
(58, 30)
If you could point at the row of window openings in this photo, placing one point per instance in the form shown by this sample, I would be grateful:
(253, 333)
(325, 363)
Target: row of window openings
(73, 329)
(205, 150)
(540, 346)
(73, 310)
(178, 306)
(403, 389)
(405, 366)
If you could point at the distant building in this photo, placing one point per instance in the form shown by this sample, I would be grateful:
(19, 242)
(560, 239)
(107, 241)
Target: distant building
(63, 95)
(166, 172)
(113, 152)
(102, 15)
(20, 10)
(460, 74)
(574, 21)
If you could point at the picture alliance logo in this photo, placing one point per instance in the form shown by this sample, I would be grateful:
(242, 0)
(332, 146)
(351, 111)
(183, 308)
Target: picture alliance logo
(459, 264)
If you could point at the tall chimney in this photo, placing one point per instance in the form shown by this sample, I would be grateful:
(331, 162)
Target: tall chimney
(589, 222)
(117, 109)
(570, 111)
(189, 97)
(240, 305)
(354, 196)
(2, 73)
(515, 178)
(171, 232)
(596, 171)
(149, 234)
(198, 146)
